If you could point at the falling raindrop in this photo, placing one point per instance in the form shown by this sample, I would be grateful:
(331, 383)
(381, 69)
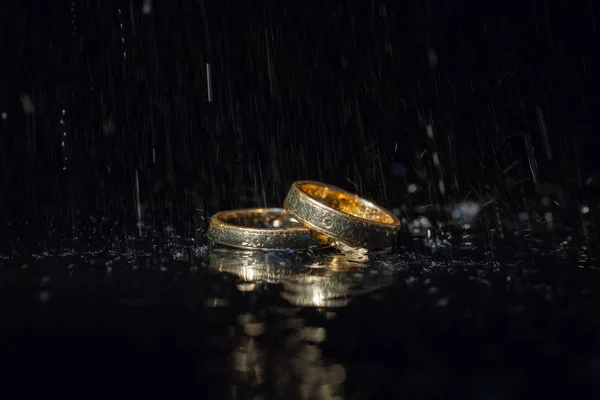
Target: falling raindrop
(73, 19)
(432, 58)
(27, 104)
(585, 209)
(147, 7)
(209, 83)
(122, 30)
(63, 147)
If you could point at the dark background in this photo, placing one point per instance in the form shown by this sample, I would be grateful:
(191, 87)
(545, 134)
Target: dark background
(334, 91)
(343, 92)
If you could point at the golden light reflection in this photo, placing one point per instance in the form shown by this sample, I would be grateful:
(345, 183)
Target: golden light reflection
(281, 345)
(346, 202)
(301, 370)
(333, 282)
(247, 362)
(253, 267)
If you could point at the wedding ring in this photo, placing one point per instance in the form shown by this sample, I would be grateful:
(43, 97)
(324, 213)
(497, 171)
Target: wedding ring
(340, 215)
(260, 228)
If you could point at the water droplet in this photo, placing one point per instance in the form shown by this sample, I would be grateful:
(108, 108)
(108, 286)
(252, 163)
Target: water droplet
(585, 209)
(27, 104)
(147, 7)
(432, 57)
(44, 296)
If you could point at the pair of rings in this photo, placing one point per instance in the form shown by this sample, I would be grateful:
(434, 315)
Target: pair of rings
(314, 214)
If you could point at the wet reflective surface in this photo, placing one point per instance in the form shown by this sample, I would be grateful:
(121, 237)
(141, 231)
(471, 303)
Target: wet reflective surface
(443, 313)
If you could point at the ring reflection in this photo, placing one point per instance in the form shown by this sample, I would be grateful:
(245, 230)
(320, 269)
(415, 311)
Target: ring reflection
(334, 281)
(254, 267)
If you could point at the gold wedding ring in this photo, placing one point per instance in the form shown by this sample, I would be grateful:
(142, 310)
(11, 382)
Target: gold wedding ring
(341, 215)
(260, 228)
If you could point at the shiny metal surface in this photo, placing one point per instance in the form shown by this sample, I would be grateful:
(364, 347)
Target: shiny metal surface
(260, 228)
(340, 215)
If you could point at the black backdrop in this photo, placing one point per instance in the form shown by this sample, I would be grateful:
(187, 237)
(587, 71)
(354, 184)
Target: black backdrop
(337, 91)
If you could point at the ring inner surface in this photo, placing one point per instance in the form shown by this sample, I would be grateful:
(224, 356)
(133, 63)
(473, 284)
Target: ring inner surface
(347, 203)
(261, 220)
